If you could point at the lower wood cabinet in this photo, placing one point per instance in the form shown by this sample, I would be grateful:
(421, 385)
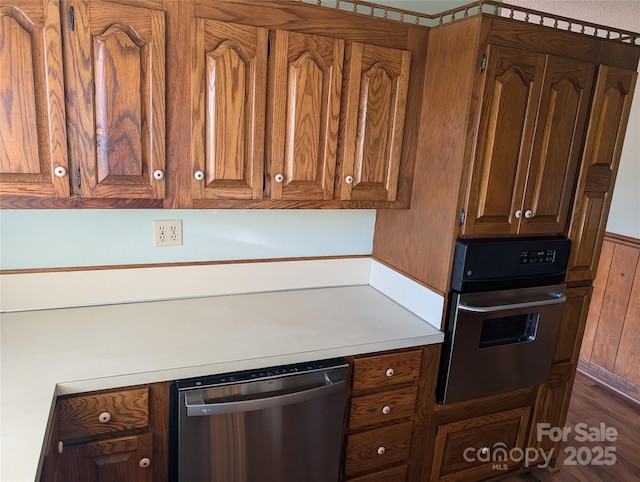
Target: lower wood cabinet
(113, 459)
(386, 414)
(479, 447)
(111, 435)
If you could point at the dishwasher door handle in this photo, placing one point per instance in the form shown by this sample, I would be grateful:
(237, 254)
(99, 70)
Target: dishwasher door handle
(561, 298)
(201, 409)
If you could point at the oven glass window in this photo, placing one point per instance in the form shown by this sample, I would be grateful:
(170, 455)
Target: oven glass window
(508, 330)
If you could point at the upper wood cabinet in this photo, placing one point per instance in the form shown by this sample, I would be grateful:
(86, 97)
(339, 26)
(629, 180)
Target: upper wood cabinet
(229, 91)
(305, 82)
(114, 60)
(33, 139)
(534, 109)
(375, 99)
(286, 116)
(601, 158)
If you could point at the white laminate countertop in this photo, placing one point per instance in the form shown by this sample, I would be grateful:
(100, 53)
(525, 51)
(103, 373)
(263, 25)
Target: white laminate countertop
(69, 350)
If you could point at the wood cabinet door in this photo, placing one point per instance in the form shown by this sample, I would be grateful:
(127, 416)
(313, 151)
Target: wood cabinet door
(305, 82)
(373, 112)
(229, 89)
(115, 73)
(33, 139)
(512, 88)
(557, 146)
(600, 160)
(120, 459)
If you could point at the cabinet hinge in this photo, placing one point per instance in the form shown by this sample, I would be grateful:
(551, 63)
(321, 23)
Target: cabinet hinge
(78, 178)
(483, 62)
(461, 217)
(72, 19)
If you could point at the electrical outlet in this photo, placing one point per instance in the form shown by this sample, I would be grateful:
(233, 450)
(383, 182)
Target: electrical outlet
(167, 232)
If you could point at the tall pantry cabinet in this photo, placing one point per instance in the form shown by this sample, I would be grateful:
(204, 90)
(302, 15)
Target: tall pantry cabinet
(521, 134)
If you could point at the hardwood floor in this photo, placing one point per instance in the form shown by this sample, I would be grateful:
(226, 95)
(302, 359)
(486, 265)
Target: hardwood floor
(593, 404)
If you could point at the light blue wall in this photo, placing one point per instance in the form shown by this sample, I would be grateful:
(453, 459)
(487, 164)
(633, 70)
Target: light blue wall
(71, 238)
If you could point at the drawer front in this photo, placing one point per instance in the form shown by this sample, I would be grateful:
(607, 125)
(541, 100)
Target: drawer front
(396, 474)
(379, 371)
(382, 407)
(86, 416)
(377, 448)
(460, 445)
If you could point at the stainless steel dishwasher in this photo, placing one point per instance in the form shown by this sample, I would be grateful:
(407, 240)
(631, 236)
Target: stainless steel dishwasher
(282, 424)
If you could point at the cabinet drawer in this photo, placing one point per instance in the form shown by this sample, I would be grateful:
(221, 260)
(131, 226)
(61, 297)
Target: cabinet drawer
(382, 407)
(377, 448)
(90, 415)
(460, 444)
(380, 371)
(396, 474)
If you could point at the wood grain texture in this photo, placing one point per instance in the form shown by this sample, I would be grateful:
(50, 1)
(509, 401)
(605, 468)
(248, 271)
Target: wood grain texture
(611, 338)
(593, 403)
(229, 90)
(78, 415)
(603, 145)
(115, 92)
(368, 409)
(372, 372)
(508, 428)
(108, 460)
(363, 449)
(33, 133)
(396, 474)
(614, 306)
(407, 240)
(372, 121)
(305, 83)
(572, 324)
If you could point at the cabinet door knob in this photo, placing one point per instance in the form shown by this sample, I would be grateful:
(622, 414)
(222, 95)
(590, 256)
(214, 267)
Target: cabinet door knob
(390, 372)
(528, 214)
(278, 177)
(60, 171)
(158, 174)
(348, 179)
(104, 417)
(386, 409)
(381, 450)
(145, 462)
(518, 214)
(198, 175)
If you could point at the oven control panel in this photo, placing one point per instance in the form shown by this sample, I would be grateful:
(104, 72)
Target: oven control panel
(538, 256)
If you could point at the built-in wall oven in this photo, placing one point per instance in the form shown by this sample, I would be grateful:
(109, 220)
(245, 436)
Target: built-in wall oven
(279, 424)
(505, 306)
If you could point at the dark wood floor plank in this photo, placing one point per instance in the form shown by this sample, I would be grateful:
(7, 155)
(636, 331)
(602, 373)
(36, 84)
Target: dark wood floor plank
(593, 404)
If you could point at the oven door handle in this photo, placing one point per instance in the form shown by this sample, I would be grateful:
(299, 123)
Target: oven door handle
(557, 299)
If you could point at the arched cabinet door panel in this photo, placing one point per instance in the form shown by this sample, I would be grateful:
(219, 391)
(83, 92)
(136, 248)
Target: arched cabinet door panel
(115, 91)
(33, 139)
(372, 122)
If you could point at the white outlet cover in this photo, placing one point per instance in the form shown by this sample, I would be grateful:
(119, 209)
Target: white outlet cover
(167, 232)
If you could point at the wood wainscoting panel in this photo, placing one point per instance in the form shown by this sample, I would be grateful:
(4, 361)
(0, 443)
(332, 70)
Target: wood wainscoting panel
(612, 334)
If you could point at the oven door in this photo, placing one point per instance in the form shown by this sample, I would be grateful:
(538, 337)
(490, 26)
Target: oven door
(499, 341)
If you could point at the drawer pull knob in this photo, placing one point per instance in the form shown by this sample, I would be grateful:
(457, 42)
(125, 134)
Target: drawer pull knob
(158, 174)
(145, 462)
(198, 175)
(381, 450)
(484, 450)
(60, 171)
(278, 177)
(104, 417)
(390, 372)
(386, 409)
(348, 179)
(528, 214)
